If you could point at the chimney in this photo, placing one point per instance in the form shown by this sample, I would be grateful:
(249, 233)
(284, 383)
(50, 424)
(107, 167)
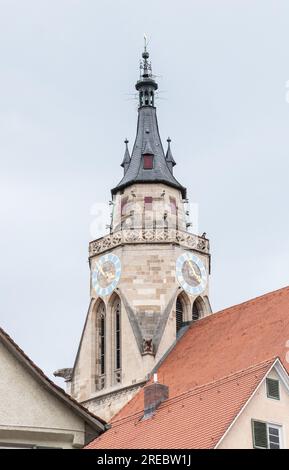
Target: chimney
(154, 395)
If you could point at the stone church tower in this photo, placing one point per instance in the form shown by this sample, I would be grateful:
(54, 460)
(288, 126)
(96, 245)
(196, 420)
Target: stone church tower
(149, 276)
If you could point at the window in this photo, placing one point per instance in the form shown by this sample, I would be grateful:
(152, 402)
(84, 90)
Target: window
(272, 387)
(173, 205)
(117, 340)
(196, 312)
(266, 436)
(148, 203)
(148, 162)
(100, 347)
(199, 309)
(179, 315)
(274, 436)
(117, 336)
(124, 201)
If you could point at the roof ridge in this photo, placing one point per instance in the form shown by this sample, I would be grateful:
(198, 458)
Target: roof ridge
(228, 310)
(202, 388)
(250, 301)
(227, 378)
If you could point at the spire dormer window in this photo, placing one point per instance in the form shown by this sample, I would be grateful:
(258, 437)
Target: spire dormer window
(148, 162)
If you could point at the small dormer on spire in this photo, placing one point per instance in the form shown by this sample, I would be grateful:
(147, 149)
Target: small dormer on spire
(169, 156)
(126, 159)
(146, 85)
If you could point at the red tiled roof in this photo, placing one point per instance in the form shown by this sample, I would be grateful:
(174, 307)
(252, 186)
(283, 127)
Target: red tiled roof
(223, 343)
(195, 419)
(219, 345)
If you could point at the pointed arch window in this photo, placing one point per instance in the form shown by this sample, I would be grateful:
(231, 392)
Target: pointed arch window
(117, 340)
(179, 314)
(196, 312)
(100, 346)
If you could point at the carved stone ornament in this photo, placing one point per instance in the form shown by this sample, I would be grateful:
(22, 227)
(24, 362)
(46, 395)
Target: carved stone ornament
(160, 235)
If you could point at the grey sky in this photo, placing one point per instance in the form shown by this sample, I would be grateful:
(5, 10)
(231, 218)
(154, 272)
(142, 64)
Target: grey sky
(66, 69)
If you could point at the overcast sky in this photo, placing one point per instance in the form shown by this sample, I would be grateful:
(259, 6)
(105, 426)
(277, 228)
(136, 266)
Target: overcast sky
(67, 72)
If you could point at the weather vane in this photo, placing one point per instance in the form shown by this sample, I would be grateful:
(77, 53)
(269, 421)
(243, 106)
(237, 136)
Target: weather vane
(145, 42)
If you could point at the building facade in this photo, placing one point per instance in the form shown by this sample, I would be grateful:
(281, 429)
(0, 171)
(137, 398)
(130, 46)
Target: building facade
(34, 412)
(149, 275)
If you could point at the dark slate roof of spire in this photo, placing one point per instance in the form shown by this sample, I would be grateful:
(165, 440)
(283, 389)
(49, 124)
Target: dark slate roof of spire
(148, 141)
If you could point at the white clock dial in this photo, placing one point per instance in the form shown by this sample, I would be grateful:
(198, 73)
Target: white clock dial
(106, 274)
(191, 273)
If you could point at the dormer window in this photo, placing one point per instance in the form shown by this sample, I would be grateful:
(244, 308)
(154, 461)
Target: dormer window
(148, 162)
(272, 387)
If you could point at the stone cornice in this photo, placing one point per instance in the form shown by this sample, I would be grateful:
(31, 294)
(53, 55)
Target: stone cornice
(144, 236)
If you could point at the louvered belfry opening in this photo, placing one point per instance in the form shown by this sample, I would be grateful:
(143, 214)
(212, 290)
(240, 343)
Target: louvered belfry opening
(179, 314)
(196, 311)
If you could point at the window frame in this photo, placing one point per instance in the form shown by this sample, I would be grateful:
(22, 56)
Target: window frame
(123, 205)
(117, 342)
(279, 427)
(280, 434)
(148, 203)
(267, 389)
(173, 205)
(101, 347)
(179, 315)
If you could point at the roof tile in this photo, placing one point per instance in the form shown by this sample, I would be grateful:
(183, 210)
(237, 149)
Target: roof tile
(209, 352)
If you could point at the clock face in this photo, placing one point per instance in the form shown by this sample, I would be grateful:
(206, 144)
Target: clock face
(191, 273)
(106, 274)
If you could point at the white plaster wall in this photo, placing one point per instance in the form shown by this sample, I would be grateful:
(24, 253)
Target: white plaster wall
(263, 409)
(29, 413)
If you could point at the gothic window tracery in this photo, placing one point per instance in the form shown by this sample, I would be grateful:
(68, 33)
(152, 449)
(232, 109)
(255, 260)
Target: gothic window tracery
(100, 346)
(117, 339)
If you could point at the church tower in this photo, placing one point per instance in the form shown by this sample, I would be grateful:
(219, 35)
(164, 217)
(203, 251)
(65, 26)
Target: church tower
(149, 275)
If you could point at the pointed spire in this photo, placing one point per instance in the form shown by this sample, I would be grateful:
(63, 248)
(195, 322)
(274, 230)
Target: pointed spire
(147, 141)
(169, 156)
(126, 159)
